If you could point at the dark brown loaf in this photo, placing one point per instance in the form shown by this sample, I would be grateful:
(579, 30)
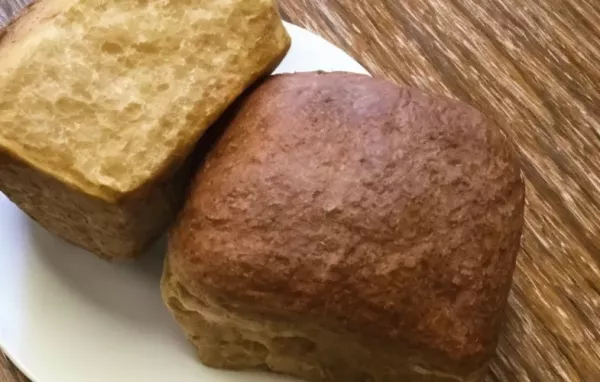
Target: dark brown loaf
(343, 229)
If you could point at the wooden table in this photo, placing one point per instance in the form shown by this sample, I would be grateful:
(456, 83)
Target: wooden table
(534, 67)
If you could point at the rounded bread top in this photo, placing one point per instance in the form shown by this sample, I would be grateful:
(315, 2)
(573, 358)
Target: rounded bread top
(350, 201)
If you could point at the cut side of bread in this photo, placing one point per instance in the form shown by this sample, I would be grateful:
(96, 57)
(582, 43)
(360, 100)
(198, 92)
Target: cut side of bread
(103, 101)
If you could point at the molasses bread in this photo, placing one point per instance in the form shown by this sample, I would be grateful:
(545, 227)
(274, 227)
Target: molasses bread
(347, 229)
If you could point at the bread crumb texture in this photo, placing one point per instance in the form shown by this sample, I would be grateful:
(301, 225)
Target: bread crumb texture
(107, 95)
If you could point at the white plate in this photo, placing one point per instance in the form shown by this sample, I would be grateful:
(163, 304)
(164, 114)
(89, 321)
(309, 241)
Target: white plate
(66, 316)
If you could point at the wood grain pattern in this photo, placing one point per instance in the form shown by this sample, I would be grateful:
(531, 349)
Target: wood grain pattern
(8, 372)
(534, 67)
(8, 8)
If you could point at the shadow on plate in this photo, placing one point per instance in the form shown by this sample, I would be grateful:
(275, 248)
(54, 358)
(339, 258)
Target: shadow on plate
(127, 291)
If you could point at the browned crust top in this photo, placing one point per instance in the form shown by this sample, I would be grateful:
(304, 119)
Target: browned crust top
(373, 208)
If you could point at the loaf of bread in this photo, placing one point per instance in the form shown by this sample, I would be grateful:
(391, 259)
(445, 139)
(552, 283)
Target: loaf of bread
(102, 102)
(344, 229)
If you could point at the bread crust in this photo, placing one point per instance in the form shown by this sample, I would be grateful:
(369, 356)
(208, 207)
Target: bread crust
(104, 174)
(229, 337)
(362, 207)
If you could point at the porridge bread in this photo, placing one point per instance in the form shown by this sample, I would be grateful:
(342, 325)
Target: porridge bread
(346, 229)
(102, 102)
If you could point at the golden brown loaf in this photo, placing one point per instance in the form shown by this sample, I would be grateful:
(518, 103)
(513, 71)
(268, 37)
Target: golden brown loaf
(102, 101)
(346, 229)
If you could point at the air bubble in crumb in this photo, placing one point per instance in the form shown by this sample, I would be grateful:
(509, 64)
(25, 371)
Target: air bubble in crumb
(112, 48)
(163, 87)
